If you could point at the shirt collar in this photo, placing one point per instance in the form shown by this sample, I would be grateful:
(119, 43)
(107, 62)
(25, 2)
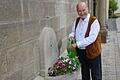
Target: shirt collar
(87, 18)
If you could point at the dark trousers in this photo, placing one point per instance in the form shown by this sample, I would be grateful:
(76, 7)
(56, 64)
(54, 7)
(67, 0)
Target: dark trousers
(90, 66)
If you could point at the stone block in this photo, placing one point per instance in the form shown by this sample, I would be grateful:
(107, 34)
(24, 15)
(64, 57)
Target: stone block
(3, 37)
(27, 52)
(41, 9)
(19, 30)
(26, 9)
(59, 8)
(31, 27)
(36, 9)
(10, 10)
(35, 28)
(62, 21)
(70, 20)
(27, 32)
(14, 59)
(49, 9)
(36, 53)
(17, 75)
(28, 72)
(12, 35)
(19, 56)
(3, 64)
(68, 8)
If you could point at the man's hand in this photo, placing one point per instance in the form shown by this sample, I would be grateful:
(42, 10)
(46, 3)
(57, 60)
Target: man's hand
(73, 46)
(72, 38)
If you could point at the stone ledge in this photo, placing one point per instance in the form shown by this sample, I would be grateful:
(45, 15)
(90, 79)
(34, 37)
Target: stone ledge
(72, 76)
(39, 78)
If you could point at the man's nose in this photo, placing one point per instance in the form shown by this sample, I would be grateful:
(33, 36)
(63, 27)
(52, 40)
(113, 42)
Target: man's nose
(82, 12)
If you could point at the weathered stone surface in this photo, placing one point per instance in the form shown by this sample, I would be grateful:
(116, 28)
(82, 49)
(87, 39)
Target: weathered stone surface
(28, 72)
(36, 9)
(27, 32)
(48, 49)
(25, 9)
(43, 23)
(59, 8)
(10, 10)
(36, 48)
(3, 64)
(64, 43)
(103, 35)
(9, 34)
(118, 26)
(17, 75)
(61, 34)
(39, 78)
(49, 9)
(3, 37)
(12, 35)
(72, 76)
(55, 23)
(17, 57)
(14, 59)
(21, 23)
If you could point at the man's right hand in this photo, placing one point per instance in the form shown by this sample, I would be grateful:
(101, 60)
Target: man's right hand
(72, 38)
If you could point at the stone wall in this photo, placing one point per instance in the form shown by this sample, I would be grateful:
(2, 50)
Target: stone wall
(21, 23)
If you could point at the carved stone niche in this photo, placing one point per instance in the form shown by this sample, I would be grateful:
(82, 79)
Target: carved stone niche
(48, 50)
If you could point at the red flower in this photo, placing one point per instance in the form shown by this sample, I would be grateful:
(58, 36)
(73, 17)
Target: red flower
(63, 65)
(49, 68)
(58, 67)
(54, 72)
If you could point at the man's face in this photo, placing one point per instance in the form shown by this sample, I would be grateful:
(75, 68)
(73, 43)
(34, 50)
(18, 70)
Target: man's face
(82, 11)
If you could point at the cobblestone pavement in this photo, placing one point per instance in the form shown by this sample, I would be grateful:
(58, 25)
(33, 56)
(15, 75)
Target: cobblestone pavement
(111, 53)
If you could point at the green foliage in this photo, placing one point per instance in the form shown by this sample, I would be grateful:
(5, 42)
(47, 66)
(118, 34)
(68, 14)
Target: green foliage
(71, 52)
(112, 7)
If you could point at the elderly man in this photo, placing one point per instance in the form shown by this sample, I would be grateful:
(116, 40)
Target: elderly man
(86, 34)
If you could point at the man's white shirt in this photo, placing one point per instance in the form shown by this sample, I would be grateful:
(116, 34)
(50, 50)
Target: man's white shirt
(80, 32)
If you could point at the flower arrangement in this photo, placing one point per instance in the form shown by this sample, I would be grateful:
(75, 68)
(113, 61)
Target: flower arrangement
(65, 65)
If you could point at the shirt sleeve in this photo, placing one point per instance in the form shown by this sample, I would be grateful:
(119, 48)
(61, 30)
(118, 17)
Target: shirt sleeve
(95, 28)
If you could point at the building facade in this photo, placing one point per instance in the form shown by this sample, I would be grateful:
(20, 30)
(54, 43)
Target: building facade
(24, 42)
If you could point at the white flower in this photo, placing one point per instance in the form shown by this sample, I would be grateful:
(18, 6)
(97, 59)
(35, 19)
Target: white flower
(73, 68)
(70, 62)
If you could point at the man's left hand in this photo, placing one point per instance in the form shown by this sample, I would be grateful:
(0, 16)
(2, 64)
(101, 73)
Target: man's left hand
(73, 45)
